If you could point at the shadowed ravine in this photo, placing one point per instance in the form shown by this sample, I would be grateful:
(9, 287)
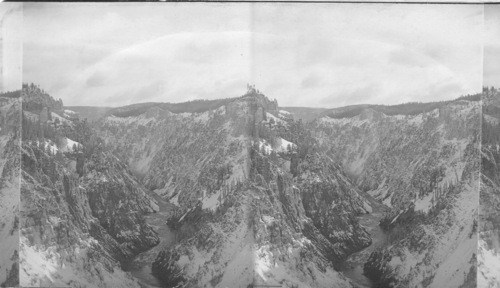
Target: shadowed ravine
(140, 266)
(353, 266)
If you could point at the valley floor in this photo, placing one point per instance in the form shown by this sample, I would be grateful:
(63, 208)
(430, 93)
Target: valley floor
(140, 266)
(353, 266)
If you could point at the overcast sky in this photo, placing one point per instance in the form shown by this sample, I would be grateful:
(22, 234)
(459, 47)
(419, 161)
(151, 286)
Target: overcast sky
(11, 42)
(492, 45)
(316, 55)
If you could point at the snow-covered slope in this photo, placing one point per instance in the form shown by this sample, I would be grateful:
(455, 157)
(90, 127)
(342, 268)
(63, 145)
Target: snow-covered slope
(82, 211)
(489, 224)
(242, 216)
(257, 197)
(425, 168)
(10, 113)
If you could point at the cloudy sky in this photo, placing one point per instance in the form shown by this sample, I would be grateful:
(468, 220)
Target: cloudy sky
(492, 45)
(316, 55)
(11, 20)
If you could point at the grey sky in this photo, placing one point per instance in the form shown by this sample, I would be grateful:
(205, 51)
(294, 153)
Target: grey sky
(11, 20)
(316, 55)
(492, 45)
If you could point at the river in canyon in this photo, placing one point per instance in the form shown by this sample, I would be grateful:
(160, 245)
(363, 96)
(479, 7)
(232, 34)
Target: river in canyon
(353, 266)
(140, 266)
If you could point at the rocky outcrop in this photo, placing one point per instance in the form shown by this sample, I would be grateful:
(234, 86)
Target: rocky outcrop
(82, 212)
(37, 100)
(332, 204)
(241, 213)
(258, 198)
(424, 166)
(10, 113)
(489, 201)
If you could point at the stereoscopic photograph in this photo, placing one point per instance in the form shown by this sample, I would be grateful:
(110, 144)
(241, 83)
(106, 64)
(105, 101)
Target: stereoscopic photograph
(245, 145)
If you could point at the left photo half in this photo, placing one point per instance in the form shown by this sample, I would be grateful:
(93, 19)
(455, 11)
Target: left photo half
(10, 135)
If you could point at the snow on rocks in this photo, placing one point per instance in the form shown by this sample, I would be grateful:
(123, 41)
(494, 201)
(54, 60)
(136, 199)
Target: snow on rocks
(230, 257)
(354, 121)
(263, 261)
(139, 120)
(491, 120)
(212, 202)
(46, 266)
(9, 209)
(452, 248)
(42, 265)
(175, 200)
(282, 146)
(60, 118)
(269, 270)
(67, 145)
(275, 119)
(202, 117)
(69, 113)
(49, 145)
(425, 203)
(285, 146)
(268, 219)
(381, 193)
(488, 275)
(263, 145)
(70, 145)
(368, 208)
(284, 112)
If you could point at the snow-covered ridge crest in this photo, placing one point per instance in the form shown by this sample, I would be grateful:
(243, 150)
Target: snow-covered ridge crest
(354, 121)
(462, 108)
(202, 117)
(156, 114)
(141, 120)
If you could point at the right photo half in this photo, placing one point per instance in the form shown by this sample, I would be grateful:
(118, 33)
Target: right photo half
(489, 237)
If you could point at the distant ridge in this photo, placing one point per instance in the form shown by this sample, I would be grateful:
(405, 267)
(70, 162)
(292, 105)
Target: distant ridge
(11, 94)
(306, 114)
(195, 106)
(412, 108)
(89, 112)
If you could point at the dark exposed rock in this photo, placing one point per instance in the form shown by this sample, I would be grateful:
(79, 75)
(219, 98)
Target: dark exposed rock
(100, 211)
(165, 269)
(378, 270)
(10, 133)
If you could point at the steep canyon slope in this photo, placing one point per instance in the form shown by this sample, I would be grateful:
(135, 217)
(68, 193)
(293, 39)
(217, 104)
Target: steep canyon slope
(82, 212)
(257, 197)
(247, 211)
(489, 228)
(10, 113)
(424, 166)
